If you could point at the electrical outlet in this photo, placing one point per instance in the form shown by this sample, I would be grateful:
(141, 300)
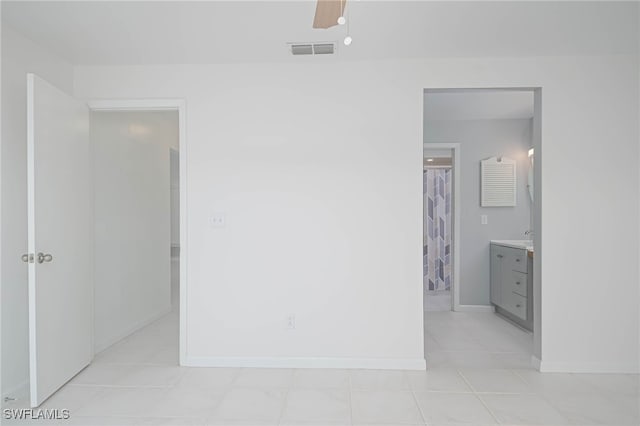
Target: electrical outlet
(291, 322)
(483, 219)
(217, 220)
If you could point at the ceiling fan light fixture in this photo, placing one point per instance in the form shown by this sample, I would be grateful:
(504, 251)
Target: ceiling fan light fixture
(347, 40)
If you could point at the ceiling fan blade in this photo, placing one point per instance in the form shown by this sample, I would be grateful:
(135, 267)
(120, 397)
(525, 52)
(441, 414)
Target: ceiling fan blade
(328, 12)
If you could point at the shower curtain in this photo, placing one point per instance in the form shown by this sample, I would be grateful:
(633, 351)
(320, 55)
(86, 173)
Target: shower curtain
(437, 230)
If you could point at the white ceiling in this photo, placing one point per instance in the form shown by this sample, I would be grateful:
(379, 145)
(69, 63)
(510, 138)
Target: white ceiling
(88, 32)
(478, 105)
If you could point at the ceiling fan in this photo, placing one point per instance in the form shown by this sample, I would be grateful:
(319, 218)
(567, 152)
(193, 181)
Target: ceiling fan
(329, 13)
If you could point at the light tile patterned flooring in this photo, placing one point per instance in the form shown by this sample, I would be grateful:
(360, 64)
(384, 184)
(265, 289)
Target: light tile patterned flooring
(440, 301)
(477, 375)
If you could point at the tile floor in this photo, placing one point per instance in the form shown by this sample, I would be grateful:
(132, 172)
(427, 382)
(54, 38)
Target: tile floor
(475, 340)
(477, 376)
(433, 302)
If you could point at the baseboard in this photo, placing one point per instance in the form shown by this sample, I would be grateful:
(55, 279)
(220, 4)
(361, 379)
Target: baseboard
(99, 347)
(535, 362)
(294, 362)
(526, 326)
(595, 368)
(18, 392)
(475, 308)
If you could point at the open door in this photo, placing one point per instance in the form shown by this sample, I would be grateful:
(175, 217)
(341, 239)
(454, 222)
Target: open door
(60, 233)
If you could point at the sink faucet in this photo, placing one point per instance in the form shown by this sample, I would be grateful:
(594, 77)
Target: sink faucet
(528, 233)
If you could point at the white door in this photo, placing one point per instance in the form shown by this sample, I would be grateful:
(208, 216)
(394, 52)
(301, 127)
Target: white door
(60, 238)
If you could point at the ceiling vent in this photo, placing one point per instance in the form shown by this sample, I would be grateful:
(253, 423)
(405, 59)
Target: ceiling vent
(323, 49)
(302, 49)
(313, 49)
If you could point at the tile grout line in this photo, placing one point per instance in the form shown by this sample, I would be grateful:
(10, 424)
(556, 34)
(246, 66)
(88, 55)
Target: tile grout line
(515, 371)
(283, 407)
(476, 394)
(83, 385)
(479, 397)
(350, 387)
(227, 389)
(415, 399)
(484, 404)
(473, 390)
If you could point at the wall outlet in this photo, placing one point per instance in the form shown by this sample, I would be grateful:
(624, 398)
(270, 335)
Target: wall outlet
(483, 219)
(290, 322)
(217, 220)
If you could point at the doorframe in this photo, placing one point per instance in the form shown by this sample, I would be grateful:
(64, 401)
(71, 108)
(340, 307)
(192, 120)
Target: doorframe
(536, 141)
(180, 106)
(455, 151)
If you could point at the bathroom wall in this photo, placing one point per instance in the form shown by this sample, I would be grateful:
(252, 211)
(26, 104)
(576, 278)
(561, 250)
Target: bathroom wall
(480, 139)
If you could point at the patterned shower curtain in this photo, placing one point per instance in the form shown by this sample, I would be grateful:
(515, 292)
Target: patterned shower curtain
(437, 230)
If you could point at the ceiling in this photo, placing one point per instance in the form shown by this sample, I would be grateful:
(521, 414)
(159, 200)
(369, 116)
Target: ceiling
(478, 105)
(116, 32)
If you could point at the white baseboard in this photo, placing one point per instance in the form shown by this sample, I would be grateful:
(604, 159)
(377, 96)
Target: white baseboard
(595, 368)
(18, 392)
(535, 362)
(101, 346)
(475, 308)
(294, 362)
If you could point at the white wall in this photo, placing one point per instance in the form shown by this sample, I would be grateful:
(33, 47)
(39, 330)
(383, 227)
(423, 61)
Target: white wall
(318, 169)
(19, 56)
(132, 219)
(299, 236)
(481, 139)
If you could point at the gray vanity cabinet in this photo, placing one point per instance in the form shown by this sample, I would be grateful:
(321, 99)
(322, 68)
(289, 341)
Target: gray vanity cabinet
(497, 256)
(511, 284)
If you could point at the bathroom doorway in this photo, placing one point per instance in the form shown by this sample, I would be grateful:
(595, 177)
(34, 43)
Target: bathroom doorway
(439, 229)
(478, 312)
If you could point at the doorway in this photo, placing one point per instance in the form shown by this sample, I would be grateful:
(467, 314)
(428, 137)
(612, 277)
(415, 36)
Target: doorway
(175, 186)
(132, 213)
(102, 224)
(439, 229)
(467, 324)
(137, 150)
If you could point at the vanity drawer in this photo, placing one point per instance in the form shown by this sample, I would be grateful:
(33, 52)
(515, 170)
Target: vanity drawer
(518, 260)
(518, 283)
(517, 305)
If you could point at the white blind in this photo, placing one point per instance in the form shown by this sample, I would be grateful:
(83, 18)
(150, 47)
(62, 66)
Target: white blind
(498, 182)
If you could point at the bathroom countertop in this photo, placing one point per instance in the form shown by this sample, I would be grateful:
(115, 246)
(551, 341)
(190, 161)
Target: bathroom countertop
(519, 244)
